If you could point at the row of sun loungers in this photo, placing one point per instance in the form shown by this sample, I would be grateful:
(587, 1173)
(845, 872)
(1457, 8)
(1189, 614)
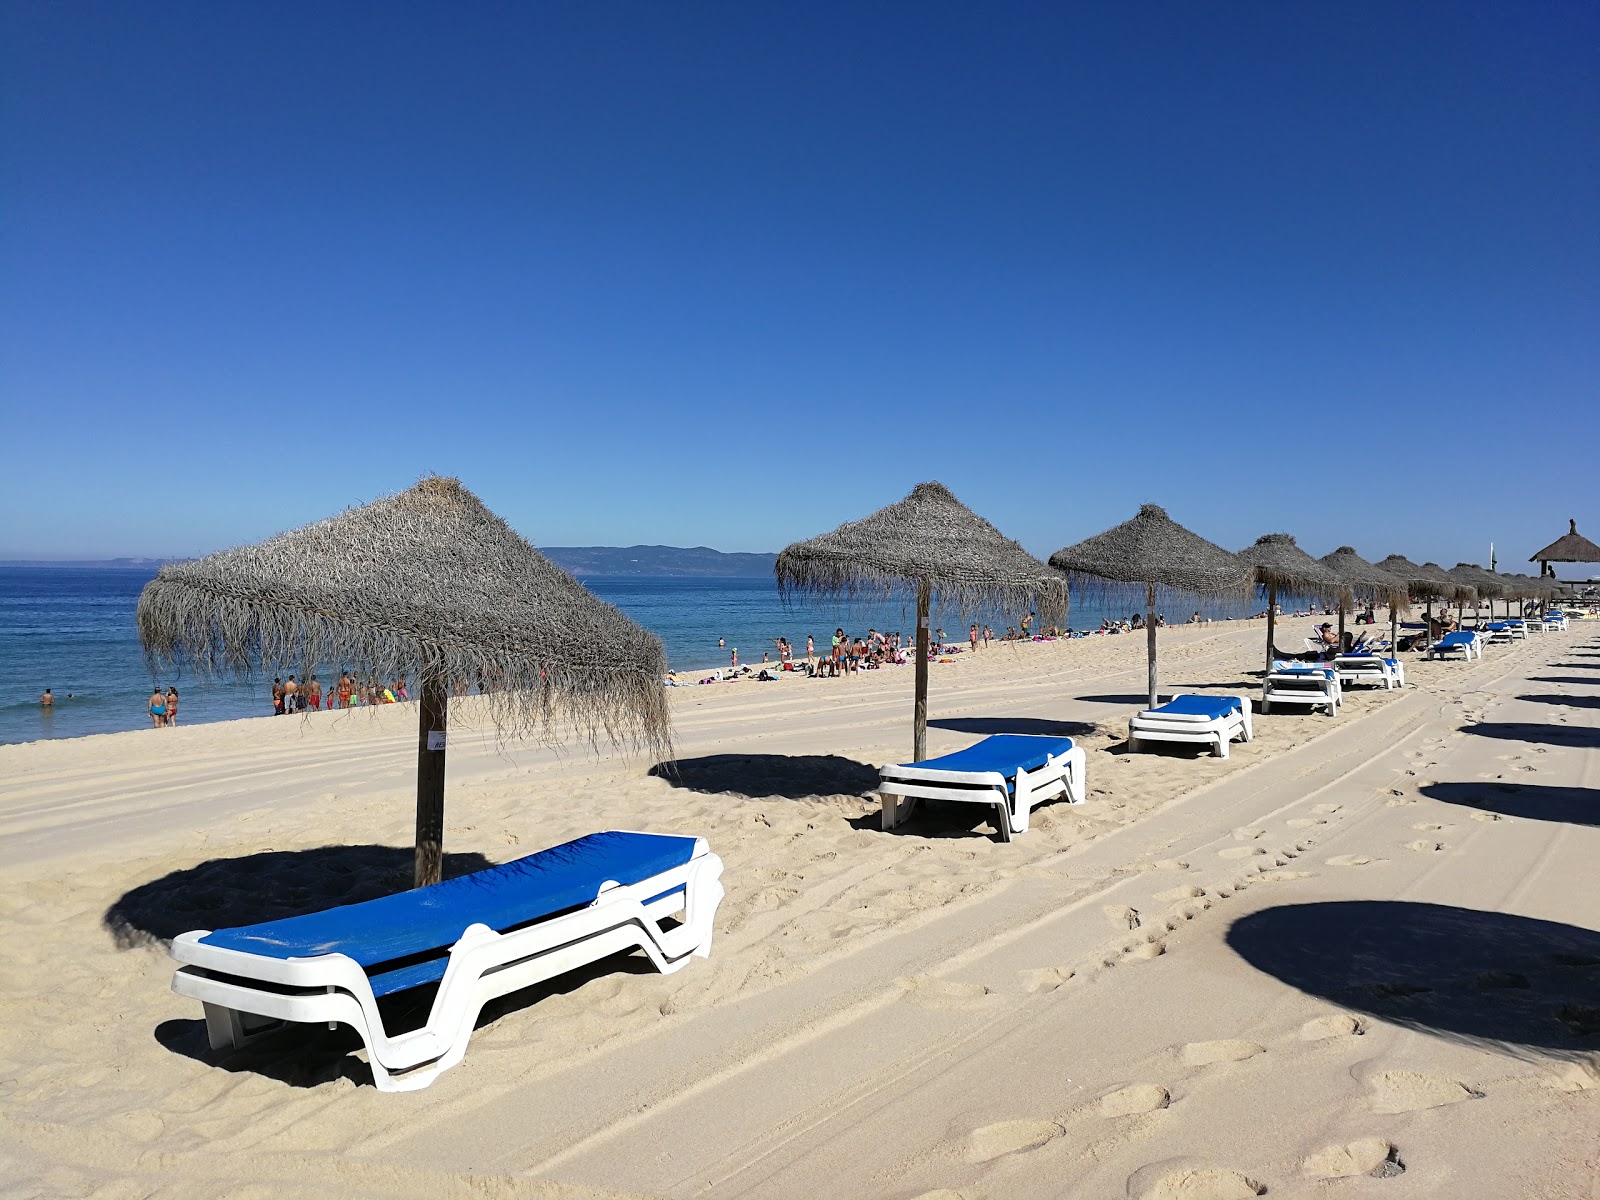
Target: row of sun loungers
(485, 935)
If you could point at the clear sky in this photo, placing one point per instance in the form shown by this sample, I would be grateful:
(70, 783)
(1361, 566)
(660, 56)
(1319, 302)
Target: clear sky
(729, 274)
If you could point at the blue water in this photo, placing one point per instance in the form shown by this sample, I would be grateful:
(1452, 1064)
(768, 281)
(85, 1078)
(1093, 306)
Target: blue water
(72, 630)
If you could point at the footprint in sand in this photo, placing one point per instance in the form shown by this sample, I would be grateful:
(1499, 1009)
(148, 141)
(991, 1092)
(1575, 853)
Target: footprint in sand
(940, 994)
(1247, 833)
(1423, 846)
(1487, 816)
(1187, 891)
(1204, 1183)
(1044, 979)
(1136, 1098)
(1304, 822)
(1427, 827)
(1282, 876)
(1145, 951)
(1360, 1157)
(1319, 1029)
(1203, 1054)
(1121, 916)
(1411, 1091)
(1171, 864)
(1008, 1137)
(1349, 860)
(1240, 852)
(1327, 808)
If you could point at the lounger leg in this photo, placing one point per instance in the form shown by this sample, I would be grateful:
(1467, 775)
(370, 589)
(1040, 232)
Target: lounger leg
(1221, 750)
(222, 1027)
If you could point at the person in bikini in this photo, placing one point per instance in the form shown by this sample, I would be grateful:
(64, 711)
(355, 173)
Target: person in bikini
(172, 706)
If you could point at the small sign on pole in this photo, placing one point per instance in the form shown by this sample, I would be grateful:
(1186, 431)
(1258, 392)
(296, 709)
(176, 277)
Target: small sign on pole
(435, 739)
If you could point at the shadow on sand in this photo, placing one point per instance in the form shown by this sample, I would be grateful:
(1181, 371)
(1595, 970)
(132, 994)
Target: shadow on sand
(1534, 731)
(770, 776)
(1533, 801)
(222, 893)
(1570, 701)
(1038, 726)
(1527, 987)
(1593, 679)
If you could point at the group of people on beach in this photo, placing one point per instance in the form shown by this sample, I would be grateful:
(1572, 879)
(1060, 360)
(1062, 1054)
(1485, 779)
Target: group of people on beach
(288, 696)
(162, 707)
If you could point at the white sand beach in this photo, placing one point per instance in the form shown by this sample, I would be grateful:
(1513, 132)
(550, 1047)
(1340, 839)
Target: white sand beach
(1359, 957)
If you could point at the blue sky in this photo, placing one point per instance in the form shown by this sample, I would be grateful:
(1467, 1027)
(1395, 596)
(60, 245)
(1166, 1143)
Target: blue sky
(729, 274)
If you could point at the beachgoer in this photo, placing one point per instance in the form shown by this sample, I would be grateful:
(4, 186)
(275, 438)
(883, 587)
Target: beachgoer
(46, 700)
(722, 644)
(1195, 620)
(291, 695)
(400, 691)
(346, 687)
(157, 708)
(972, 637)
(988, 636)
(733, 659)
(172, 706)
(1027, 619)
(277, 696)
(314, 693)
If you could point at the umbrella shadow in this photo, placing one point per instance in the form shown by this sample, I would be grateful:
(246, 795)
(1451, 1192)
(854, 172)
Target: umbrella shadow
(1564, 679)
(770, 776)
(1532, 731)
(1035, 726)
(1522, 986)
(1533, 801)
(1142, 699)
(307, 1056)
(1571, 701)
(935, 819)
(224, 893)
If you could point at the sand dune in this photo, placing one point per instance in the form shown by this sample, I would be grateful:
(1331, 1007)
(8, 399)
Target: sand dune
(1362, 946)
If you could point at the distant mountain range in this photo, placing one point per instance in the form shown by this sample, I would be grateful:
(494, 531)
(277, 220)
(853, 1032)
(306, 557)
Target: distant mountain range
(658, 560)
(126, 564)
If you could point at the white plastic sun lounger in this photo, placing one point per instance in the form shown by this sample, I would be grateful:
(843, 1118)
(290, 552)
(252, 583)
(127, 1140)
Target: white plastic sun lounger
(1012, 772)
(1464, 642)
(1369, 667)
(1496, 633)
(1213, 721)
(1555, 622)
(1518, 628)
(478, 937)
(1317, 687)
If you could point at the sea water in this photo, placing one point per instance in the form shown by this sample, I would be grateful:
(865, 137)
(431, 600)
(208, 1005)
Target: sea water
(71, 629)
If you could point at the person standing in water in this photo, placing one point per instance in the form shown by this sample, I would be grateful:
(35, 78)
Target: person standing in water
(47, 700)
(157, 708)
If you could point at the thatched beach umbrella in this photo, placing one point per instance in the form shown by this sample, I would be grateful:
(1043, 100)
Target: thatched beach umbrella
(1485, 585)
(1570, 547)
(1278, 563)
(927, 543)
(1364, 581)
(1150, 551)
(430, 583)
(1428, 584)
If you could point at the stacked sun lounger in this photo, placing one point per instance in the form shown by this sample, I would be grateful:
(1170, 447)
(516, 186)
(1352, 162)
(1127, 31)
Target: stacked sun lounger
(1191, 719)
(1315, 687)
(1497, 632)
(1555, 622)
(1369, 666)
(1011, 773)
(477, 937)
(1464, 642)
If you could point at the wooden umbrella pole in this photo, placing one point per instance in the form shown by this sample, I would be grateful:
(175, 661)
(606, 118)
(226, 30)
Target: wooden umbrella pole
(1150, 638)
(1272, 624)
(433, 712)
(919, 735)
(1341, 625)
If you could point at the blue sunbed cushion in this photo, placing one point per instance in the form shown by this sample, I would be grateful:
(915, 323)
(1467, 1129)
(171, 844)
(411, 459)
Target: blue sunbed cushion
(1214, 707)
(1006, 753)
(434, 918)
(1497, 626)
(1456, 639)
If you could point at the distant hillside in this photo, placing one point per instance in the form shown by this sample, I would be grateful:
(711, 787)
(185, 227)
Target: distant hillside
(658, 560)
(112, 564)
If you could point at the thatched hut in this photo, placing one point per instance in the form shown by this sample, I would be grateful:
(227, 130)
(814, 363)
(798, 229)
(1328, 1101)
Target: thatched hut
(1148, 552)
(1278, 563)
(431, 584)
(1364, 581)
(927, 544)
(1570, 547)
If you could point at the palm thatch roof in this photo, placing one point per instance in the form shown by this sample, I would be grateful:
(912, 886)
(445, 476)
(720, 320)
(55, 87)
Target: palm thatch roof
(1279, 563)
(1364, 580)
(1450, 588)
(1417, 581)
(929, 537)
(1152, 548)
(1485, 583)
(1571, 546)
(426, 582)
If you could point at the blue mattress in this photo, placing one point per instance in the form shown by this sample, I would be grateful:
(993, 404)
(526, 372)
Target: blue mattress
(427, 921)
(1214, 707)
(1006, 753)
(1456, 639)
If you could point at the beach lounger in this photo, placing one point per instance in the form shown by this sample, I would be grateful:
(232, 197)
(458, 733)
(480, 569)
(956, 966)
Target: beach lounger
(1555, 622)
(1011, 772)
(1369, 667)
(1314, 686)
(1518, 628)
(1205, 720)
(1496, 632)
(1463, 642)
(479, 936)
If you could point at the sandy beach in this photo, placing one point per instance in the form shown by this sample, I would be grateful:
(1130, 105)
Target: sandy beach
(1359, 957)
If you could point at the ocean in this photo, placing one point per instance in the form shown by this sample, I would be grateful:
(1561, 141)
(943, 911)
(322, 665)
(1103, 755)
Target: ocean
(71, 629)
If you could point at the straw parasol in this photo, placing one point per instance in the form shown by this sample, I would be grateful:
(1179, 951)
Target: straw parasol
(929, 542)
(1278, 563)
(1365, 581)
(1570, 547)
(427, 582)
(1430, 584)
(1486, 585)
(1150, 551)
